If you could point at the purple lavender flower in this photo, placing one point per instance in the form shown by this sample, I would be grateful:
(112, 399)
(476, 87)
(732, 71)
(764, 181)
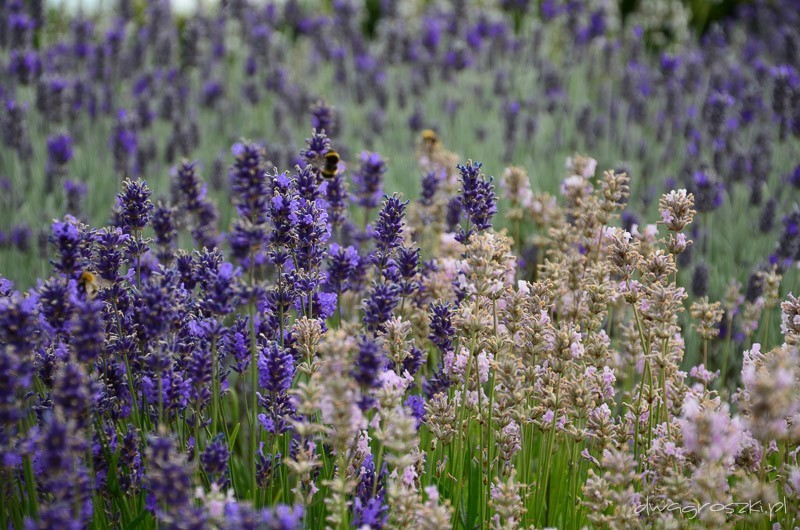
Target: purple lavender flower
(309, 220)
(708, 191)
(199, 371)
(700, 280)
(388, 231)
(369, 363)
(71, 244)
(369, 506)
(793, 178)
(414, 361)
(213, 91)
(283, 517)
(88, 330)
(111, 246)
(156, 309)
(478, 199)
(316, 146)
(215, 461)
(324, 118)
(55, 303)
(249, 183)
(166, 233)
(124, 141)
(20, 28)
(438, 383)
(15, 129)
(441, 326)
(82, 35)
(380, 304)
(714, 111)
(75, 193)
(134, 205)
(62, 476)
(336, 196)
(59, 149)
(115, 397)
(307, 184)
(275, 374)
(787, 249)
(73, 394)
(281, 206)
(417, 405)
(20, 237)
(18, 321)
(168, 477)
(783, 77)
(16, 376)
(430, 184)
(320, 305)
(766, 220)
(235, 345)
(416, 120)
(368, 180)
(220, 290)
(342, 268)
(177, 391)
(25, 66)
(131, 461)
(453, 214)
(407, 263)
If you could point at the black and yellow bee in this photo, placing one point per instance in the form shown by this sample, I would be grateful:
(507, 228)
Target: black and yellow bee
(430, 140)
(330, 165)
(91, 284)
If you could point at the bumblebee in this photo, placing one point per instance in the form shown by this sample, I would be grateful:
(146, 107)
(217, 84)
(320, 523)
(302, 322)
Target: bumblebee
(430, 140)
(330, 165)
(91, 284)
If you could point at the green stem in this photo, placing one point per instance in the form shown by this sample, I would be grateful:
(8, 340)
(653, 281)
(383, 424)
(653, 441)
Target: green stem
(458, 451)
(481, 489)
(726, 354)
(160, 399)
(378, 465)
(134, 398)
(575, 477)
(545, 475)
(30, 484)
(664, 390)
(3, 500)
(138, 237)
(253, 384)
(280, 309)
(344, 524)
(646, 373)
(216, 388)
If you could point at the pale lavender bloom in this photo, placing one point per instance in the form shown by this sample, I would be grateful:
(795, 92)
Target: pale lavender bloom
(709, 432)
(702, 374)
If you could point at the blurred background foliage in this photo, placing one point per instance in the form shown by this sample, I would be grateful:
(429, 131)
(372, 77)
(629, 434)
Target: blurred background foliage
(704, 12)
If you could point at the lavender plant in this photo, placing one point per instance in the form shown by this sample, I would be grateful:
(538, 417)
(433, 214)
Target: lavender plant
(316, 345)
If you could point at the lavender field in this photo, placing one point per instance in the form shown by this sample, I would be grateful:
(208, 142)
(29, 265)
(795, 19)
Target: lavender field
(415, 264)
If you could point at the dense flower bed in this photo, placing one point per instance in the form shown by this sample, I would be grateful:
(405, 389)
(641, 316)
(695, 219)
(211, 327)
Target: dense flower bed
(276, 336)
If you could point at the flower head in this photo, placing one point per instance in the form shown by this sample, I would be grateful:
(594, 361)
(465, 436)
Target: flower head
(478, 199)
(134, 205)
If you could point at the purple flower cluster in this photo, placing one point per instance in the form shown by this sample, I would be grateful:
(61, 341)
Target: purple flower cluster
(477, 199)
(306, 336)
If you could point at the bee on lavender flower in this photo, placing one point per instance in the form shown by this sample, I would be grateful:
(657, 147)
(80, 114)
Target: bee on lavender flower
(429, 141)
(91, 284)
(330, 166)
(326, 165)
